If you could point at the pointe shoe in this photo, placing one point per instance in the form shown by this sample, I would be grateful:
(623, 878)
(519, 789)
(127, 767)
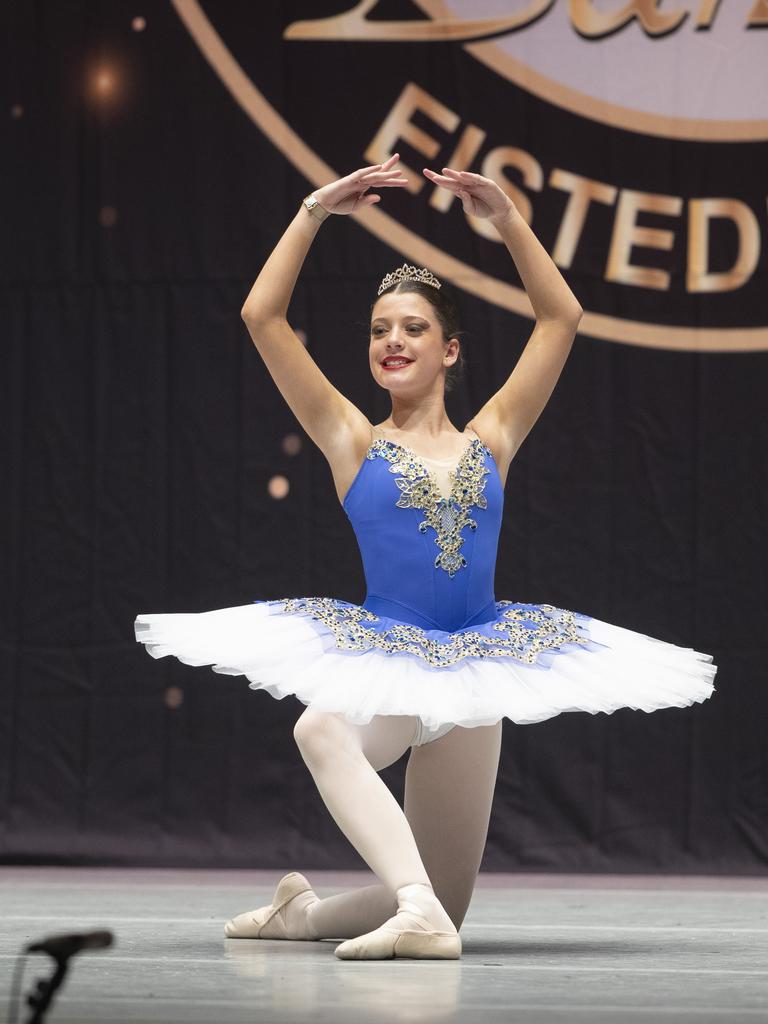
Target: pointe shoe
(405, 935)
(268, 922)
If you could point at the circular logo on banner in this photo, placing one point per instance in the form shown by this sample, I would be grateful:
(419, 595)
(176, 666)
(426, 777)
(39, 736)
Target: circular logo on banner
(631, 136)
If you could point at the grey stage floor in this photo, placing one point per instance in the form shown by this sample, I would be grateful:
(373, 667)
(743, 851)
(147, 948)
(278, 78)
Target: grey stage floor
(537, 948)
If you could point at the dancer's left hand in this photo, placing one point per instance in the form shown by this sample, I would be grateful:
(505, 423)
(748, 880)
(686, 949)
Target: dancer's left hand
(479, 196)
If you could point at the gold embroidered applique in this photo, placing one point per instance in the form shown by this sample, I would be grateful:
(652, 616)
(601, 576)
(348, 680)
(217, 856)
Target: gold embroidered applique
(524, 631)
(446, 516)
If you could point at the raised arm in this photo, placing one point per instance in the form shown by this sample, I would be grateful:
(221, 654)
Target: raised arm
(331, 420)
(507, 417)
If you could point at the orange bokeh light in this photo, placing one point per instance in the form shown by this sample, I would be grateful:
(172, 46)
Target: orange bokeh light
(291, 444)
(278, 487)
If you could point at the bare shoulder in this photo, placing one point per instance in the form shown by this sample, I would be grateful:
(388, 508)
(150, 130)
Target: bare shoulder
(501, 446)
(346, 448)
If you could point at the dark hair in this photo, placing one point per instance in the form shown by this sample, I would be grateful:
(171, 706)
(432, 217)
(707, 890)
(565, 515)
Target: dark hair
(448, 316)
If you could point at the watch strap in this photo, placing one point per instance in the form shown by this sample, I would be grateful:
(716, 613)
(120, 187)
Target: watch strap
(313, 207)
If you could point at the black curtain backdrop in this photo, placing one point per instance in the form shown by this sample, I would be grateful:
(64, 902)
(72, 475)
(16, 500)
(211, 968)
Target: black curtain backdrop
(141, 430)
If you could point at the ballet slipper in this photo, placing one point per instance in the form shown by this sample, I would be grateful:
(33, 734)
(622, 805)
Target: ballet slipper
(270, 922)
(405, 935)
(420, 930)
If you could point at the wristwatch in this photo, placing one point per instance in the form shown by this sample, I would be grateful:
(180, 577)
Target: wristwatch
(314, 208)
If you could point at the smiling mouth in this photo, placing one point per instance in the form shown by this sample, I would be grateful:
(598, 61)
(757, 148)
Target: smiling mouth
(396, 365)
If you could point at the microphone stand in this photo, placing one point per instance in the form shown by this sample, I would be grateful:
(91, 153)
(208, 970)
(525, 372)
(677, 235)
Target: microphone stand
(45, 987)
(59, 948)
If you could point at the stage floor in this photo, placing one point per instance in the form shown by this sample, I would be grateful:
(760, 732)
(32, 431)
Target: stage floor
(537, 948)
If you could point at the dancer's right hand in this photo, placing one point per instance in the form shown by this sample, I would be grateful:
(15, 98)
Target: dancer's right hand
(349, 194)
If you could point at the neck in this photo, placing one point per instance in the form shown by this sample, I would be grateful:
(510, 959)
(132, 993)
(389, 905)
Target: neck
(423, 416)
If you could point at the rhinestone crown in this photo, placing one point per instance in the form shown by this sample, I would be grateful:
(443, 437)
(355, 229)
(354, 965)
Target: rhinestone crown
(409, 273)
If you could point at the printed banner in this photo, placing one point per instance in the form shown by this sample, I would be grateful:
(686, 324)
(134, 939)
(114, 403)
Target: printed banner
(631, 136)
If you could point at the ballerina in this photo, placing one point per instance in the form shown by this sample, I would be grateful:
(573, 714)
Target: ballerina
(430, 661)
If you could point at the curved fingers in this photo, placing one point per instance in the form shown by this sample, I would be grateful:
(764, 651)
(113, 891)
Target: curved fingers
(377, 178)
(459, 184)
(375, 167)
(467, 174)
(440, 179)
(470, 180)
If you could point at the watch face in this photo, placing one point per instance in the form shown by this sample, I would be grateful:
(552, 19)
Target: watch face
(314, 207)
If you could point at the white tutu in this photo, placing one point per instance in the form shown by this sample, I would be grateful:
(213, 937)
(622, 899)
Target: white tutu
(290, 653)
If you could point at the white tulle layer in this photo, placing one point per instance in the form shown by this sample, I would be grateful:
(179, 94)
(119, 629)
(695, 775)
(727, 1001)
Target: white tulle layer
(294, 654)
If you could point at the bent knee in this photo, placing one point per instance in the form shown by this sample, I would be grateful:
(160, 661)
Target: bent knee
(317, 731)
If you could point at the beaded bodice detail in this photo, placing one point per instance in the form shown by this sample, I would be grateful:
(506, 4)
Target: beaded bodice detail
(439, 608)
(429, 557)
(447, 516)
(522, 631)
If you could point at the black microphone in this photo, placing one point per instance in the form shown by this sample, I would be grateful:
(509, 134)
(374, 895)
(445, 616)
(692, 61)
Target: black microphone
(63, 946)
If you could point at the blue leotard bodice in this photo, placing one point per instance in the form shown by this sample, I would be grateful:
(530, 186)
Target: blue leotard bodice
(428, 560)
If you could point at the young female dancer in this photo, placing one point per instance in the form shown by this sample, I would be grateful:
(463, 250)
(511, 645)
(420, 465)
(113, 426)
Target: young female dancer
(430, 661)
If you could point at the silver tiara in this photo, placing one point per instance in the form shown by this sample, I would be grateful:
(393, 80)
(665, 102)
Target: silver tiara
(408, 273)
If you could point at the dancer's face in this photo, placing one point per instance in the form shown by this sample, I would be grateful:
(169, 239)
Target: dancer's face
(405, 324)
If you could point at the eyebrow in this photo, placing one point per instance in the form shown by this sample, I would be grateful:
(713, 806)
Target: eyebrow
(412, 316)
